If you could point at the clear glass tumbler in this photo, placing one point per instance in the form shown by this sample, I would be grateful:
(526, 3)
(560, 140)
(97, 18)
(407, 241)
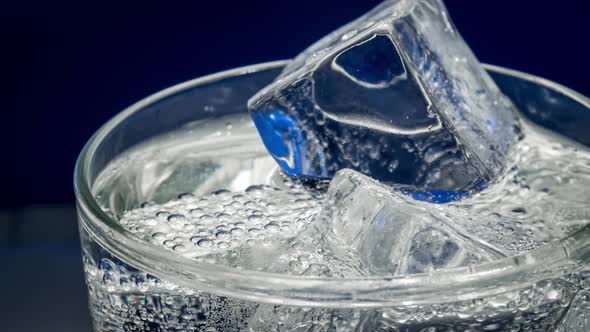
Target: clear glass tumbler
(136, 286)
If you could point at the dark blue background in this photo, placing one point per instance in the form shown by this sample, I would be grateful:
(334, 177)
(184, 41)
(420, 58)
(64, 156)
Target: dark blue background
(69, 67)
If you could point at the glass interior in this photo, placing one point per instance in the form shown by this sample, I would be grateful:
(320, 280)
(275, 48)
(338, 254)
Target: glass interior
(222, 97)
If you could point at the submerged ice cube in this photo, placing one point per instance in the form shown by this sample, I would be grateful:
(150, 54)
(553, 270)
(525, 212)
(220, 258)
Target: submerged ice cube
(397, 95)
(390, 233)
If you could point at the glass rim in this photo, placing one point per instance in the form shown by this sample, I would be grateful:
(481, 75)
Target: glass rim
(464, 283)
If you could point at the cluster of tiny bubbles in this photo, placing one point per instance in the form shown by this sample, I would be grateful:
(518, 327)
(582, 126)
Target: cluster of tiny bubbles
(126, 299)
(310, 254)
(542, 196)
(149, 302)
(536, 308)
(223, 220)
(285, 318)
(117, 277)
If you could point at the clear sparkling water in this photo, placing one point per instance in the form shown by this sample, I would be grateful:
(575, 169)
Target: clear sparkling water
(211, 193)
(396, 95)
(392, 153)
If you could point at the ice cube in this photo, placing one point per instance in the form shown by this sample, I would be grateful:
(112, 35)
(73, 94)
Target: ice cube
(391, 233)
(395, 94)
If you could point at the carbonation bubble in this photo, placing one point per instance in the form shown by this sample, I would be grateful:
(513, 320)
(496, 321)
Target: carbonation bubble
(223, 235)
(205, 243)
(162, 214)
(158, 236)
(176, 218)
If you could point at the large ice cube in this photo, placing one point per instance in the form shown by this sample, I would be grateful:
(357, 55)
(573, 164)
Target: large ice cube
(397, 95)
(390, 233)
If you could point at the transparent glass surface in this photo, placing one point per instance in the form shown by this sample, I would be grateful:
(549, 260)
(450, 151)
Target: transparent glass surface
(137, 286)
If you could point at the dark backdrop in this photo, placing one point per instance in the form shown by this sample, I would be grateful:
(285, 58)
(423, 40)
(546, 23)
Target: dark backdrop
(68, 67)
